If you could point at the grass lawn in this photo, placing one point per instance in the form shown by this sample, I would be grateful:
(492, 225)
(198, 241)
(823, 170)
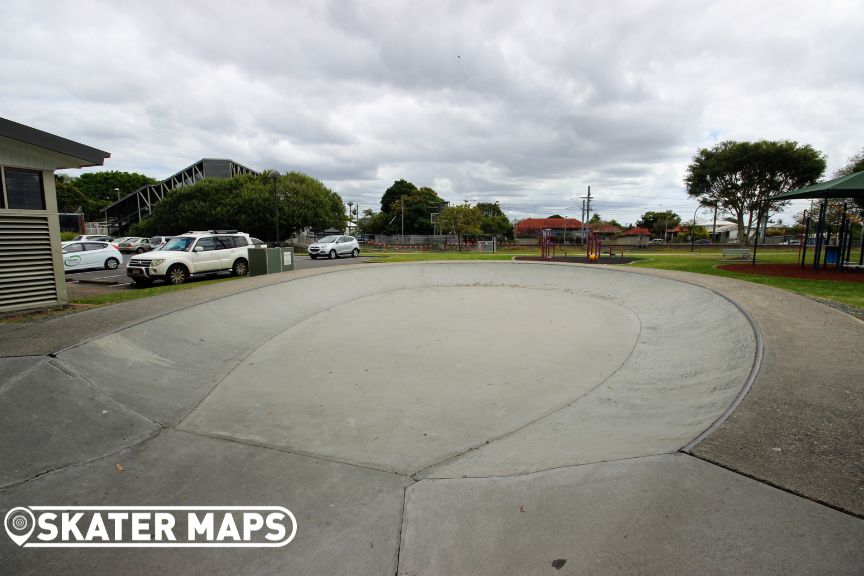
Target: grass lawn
(701, 262)
(87, 302)
(135, 293)
(705, 263)
(424, 256)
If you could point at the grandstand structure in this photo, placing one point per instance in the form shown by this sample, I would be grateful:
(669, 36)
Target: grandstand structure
(136, 206)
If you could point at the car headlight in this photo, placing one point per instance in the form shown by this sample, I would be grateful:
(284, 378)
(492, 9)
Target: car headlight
(155, 263)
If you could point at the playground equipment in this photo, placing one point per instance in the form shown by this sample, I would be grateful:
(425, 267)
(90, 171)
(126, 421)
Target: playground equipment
(547, 244)
(593, 247)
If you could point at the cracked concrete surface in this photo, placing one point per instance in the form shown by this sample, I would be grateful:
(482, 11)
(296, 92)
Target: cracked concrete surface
(334, 393)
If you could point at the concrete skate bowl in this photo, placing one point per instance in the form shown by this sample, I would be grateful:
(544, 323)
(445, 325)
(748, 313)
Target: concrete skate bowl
(439, 370)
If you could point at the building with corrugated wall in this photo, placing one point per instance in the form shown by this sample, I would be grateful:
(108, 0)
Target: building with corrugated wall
(31, 263)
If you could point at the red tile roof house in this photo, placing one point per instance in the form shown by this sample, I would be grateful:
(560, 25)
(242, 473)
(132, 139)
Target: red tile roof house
(634, 237)
(531, 227)
(606, 231)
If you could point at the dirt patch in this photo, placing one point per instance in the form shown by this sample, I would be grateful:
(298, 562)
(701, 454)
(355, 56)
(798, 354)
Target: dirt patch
(794, 271)
(42, 314)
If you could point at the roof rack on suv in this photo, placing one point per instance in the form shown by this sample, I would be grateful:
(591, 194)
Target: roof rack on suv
(213, 232)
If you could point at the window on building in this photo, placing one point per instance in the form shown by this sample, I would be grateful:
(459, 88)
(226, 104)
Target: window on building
(24, 189)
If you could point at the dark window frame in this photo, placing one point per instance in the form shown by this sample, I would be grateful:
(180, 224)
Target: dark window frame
(4, 194)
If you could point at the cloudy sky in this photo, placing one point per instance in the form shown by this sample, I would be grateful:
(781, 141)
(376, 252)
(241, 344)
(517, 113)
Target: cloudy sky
(525, 103)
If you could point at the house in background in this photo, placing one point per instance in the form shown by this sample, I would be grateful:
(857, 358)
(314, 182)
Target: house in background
(634, 237)
(31, 264)
(606, 232)
(561, 227)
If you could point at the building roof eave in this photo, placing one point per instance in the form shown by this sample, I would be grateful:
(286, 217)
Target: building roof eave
(87, 155)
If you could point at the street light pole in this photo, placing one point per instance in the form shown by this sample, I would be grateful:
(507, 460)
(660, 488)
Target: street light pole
(274, 175)
(693, 231)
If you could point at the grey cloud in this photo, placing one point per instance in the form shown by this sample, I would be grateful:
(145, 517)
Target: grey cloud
(522, 103)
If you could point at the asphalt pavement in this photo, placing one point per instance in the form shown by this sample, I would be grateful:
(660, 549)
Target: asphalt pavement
(118, 280)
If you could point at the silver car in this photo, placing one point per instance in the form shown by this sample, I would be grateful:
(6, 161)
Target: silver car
(334, 247)
(156, 242)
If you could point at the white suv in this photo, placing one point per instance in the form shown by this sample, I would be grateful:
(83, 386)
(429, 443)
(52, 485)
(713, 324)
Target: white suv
(193, 254)
(334, 246)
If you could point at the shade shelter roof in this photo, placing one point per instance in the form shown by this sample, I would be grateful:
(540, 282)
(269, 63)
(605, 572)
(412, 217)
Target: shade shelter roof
(851, 186)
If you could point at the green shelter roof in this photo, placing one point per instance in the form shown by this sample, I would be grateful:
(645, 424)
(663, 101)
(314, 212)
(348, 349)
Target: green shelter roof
(851, 186)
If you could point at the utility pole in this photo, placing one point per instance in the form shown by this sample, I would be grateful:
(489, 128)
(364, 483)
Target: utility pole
(714, 228)
(585, 227)
(588, 205)
(582, 229)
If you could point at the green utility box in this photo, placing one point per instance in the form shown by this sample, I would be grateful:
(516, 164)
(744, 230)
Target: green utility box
(264, 261)
(287, 259)
(270, 260)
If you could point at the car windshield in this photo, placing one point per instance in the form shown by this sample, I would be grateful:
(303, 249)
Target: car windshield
(328, 240)
(179, 244)
(79, 237)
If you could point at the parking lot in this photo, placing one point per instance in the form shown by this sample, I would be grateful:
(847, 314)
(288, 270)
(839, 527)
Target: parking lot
(95, 282)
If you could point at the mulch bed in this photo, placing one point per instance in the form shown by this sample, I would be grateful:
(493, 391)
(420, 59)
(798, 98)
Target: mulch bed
(795, 271)
(580, 259)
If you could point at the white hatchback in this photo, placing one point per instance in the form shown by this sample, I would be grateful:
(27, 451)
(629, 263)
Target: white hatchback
(90, 254)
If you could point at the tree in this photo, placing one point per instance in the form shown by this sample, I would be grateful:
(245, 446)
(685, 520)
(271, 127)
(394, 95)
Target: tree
(461, 220)
(489, 209)
(595, 219)
(556, 216)
(69, 197)
(739, 177)
(659, 222)
(94, 191)
(393, 193)
(247, 203)
(853, 165)
(419, 206)
(495, 222)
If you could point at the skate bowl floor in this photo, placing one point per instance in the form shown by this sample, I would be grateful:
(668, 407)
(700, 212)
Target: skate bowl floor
(439, 370)
(428, 418)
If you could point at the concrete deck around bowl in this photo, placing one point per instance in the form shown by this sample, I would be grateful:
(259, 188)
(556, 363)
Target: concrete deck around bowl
(434, 418)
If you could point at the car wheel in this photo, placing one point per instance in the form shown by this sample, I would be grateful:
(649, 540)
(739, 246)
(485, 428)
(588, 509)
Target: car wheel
(332, 254)
(139, 250)
(112, 263)
(143, 281)
(177, 274)
(355, 253)
(313, 256)
(240, 268)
